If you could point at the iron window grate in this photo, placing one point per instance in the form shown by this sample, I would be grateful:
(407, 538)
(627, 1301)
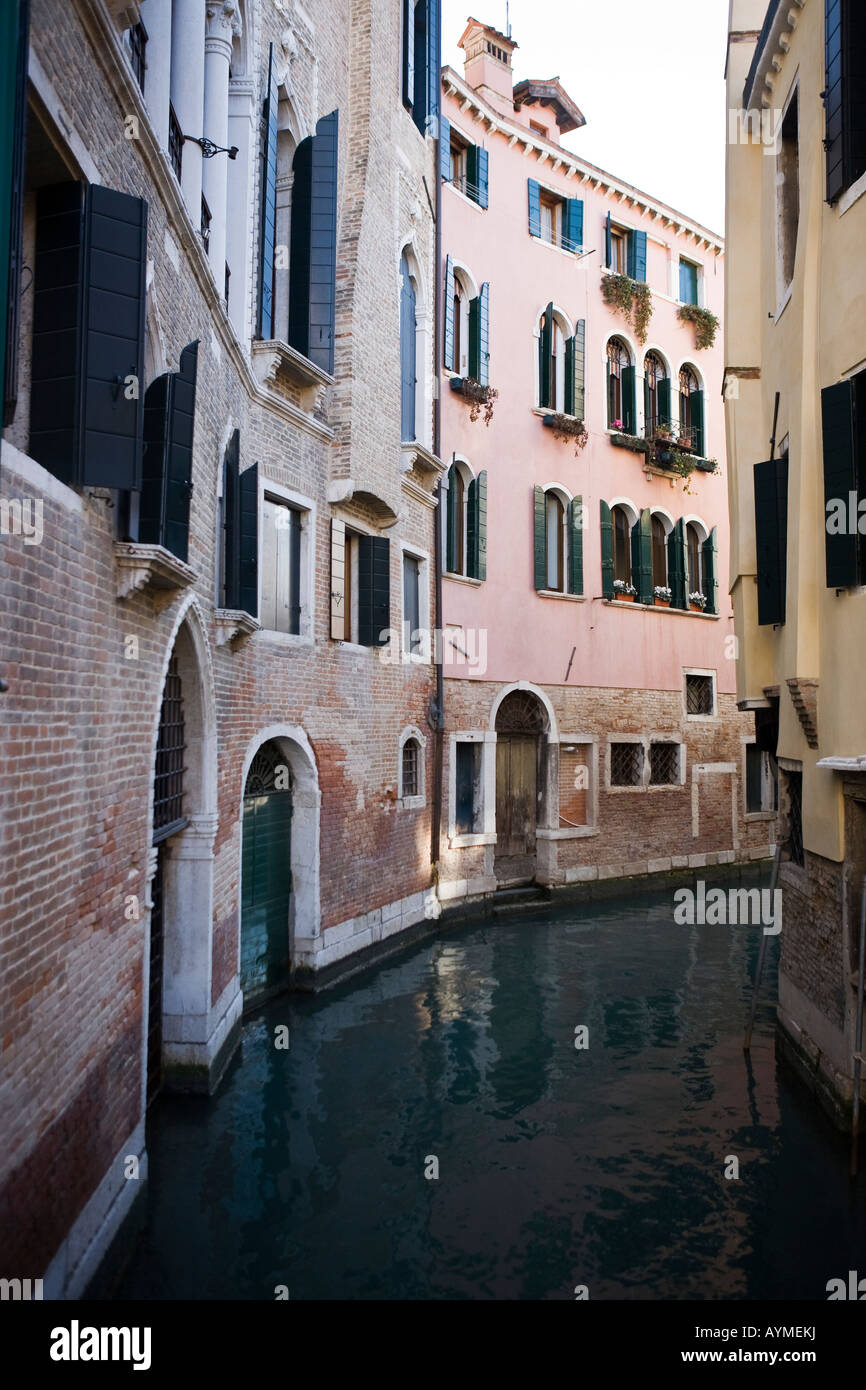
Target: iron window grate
(664, 764)
(170, 747)
(626, 764)
(410, 768)
(699, 694)
(175, 142)
(795, 818)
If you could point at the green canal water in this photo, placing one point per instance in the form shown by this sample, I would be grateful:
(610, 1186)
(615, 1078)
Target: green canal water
(556, 1166)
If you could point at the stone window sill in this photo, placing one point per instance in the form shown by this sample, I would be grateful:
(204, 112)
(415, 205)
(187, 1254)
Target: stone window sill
(234, 625)
(470, 841)
(568, 832)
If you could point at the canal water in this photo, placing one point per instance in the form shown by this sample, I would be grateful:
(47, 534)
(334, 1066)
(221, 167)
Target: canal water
(558, 1166)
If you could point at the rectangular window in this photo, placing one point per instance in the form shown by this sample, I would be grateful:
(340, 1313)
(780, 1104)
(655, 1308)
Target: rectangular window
(665, 764)
(788, 194)
(700, 696)
(688, 282)
(458, 163)
(794, 790)
(350, 614)
(412, 635)
(468, 798)
(762, 793)
(618, 251)
(551, 218)
(137, 36)
(573, 786)
(421, 61)
(626, 764)
(281, 567)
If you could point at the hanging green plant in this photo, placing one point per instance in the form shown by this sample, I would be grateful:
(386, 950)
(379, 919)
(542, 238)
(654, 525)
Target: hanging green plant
(631, 298)
(706, 325)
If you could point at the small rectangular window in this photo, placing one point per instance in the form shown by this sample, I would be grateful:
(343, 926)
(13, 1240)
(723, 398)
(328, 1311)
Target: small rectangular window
(626, 764)
(664, 764)
(410, 778)
(688, 282)
(700, 695)
(411, 604)
(458, 163)
(281, 567)
(618, 251)
(468, 807)
(551, 218)
(762, 793)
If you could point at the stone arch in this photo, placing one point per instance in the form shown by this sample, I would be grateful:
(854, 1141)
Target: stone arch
(540, 695)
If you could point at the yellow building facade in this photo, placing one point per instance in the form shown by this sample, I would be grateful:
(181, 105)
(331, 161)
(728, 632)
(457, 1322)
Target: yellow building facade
(795, 398)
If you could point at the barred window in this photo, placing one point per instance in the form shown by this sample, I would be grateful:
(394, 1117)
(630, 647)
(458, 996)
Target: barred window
(700, 697)
(411, 779)
(794, 785)
(664, 765)
(626, 764)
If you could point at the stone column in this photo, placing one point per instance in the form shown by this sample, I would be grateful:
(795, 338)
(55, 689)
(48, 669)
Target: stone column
(156, 18)
(221, 18)
(187, 93)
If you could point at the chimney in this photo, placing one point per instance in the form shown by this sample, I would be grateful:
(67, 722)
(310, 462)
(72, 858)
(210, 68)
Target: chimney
(487, 66)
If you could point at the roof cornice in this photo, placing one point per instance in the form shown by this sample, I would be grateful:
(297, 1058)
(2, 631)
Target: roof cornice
(771, 50)
(569, 165)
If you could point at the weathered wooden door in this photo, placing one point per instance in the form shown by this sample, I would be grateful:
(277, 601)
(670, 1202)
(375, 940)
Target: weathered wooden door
(266, 877)
(516, 794)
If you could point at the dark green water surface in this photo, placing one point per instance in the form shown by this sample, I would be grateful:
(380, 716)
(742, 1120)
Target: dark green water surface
(557, 1166)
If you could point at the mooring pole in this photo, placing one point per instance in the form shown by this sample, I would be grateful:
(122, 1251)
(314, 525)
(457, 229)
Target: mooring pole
(858, 1035)
(774, 878)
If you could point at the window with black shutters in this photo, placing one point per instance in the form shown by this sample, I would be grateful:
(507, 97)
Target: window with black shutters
(421, 60)
(281, 567)
(700, 695)
(771, 539)
(239, 533)
(843, 411)
(626, 764)
(374, 590)
(844, 85)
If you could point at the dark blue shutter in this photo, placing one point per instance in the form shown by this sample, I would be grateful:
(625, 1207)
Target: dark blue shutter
(840, 481)
(374, 590)
(169, 417)
(539, 538)
(608, 242)
(407, 352)
(408, 53)
(696, 407)
(575, 546)
(607, 588)
(230, 551)
(269, 202)
(14, 42)
(445, 148)
(711, 570)
(833, 99)
(484, 334)
(481, 177)
(248, 541)
(677, 565)
(534, 207)
(449, 317)
(642, 557)
(476, 531)
(771, 539)
(629, 401)
(637, 255)
(312, 282)
(434, 63)
(573, 224)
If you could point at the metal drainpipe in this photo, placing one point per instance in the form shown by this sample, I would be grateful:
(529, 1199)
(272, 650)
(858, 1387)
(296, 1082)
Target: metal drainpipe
(438, 651)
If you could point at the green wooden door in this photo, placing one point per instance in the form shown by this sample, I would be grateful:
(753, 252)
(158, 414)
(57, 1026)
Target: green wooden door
(266, 887)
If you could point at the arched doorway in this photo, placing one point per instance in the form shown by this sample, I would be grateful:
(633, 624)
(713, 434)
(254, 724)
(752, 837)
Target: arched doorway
(266, 874)
(521, 739)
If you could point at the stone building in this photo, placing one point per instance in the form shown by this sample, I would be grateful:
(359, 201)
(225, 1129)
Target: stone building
(796, 372)
(591, 724)
(218, 480)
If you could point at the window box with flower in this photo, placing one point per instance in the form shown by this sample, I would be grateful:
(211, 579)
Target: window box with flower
(697, 602)
(624, 591)
(662, 596)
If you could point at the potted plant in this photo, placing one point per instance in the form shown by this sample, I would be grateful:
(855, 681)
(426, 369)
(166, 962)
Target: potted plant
(662, 596)
(479, 396)
(685, 440)
(623, 590)
(697, 602)
(568, 427)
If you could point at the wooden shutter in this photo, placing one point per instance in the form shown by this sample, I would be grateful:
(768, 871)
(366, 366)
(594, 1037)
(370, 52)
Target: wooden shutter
(434, 63)
(711, 571)
(449, 317)
(445, 149)
(629, 405)
(374, 589)
(14, 42)
(248, 541)
(677, 565)
(544, 351)
(637, 255)
(642, 557)
(771, 539)
(338, 579)
(477, 527)
(408, 53)
(696, 407)
(56, 330)
(269, 203)
(482, 334)
(452, 522)
(534, 207)
(475, 338)
(231, 552)
(481, 176)
(575, 546)
(573, 224)
(606, 551)
(312, 281)
(608, 242)
(840, 481)
(575, 372)
(539, 538)
(663, 398)
(169, 419)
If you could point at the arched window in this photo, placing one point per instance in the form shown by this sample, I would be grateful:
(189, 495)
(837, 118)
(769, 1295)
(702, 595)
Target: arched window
(407, 350)
(694, 559)
(411, 780)
(660, 553)
(691, 410)
(618, 362)
(621, 544)
(552, 336)
(555, 541)
(455, 540)
(656, 407)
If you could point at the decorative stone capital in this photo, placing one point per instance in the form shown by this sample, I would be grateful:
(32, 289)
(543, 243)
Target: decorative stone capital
(222, 20)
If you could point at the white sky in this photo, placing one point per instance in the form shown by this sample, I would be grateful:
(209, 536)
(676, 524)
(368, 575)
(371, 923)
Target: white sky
(648, 76)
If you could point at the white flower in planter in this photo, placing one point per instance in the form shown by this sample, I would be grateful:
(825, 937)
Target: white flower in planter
(661, 591)
(699, 599)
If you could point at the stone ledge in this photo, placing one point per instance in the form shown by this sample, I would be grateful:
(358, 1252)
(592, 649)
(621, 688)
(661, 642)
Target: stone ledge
(150, 568)
(233, 625)
(276, 364)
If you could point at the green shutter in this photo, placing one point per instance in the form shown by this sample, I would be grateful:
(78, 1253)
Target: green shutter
(539, 548)
(711, 571)
(608, 242)
(545, 344)
(642, 557)
(534, 208)
(840, 482)
(484, 334)
(664, 401)
(475, 339)
(696, 405)
(771, 539)
(647, 404)
(269, 203)
(445, 149)
(313, 253)
(573, 240)
(606, 551)
(677, 565)
(629, 409)
(452, 521)
(449, 316)
(636, 255)
(569, 376)
(480, 182)
(579, 386)
(476, 533)
(575, 546)
(434, 64)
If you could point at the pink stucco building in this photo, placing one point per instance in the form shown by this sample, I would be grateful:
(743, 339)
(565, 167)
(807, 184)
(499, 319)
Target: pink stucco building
(592, 729)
